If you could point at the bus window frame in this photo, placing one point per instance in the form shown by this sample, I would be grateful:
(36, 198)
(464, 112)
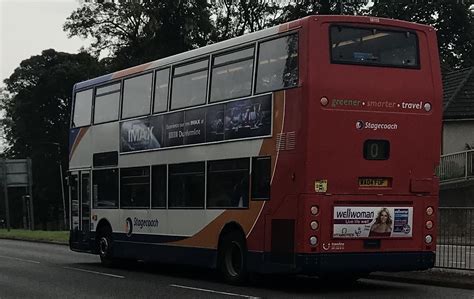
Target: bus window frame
(75, 92)
(152, 72)
(203, 207)
(295, 31)
(368, 27)
(249, 195)
(93, 201)
(172, 66)
(253, 45)
(168, 98)
(252, 164)
(193, 60)
(149, 189)
(166, 184)
(120, 91)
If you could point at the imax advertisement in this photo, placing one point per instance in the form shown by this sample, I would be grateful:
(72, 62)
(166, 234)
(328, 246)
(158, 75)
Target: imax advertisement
(372, 222)
(233, 120)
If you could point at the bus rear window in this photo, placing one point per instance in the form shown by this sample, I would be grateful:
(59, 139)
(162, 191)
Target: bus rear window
(373, 46)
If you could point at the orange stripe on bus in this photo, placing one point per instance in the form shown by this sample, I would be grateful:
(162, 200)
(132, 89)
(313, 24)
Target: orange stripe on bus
(132, 70)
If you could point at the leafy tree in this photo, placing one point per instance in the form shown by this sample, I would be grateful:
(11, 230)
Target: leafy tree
(236, 17)
(37, 117)
(300, 9)
(134, 32)
(454, 21)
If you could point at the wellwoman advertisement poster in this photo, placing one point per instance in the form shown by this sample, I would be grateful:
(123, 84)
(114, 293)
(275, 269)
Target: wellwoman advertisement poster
(372, 222)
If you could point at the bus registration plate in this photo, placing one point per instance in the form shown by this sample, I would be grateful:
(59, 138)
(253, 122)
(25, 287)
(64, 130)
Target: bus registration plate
(374, 182)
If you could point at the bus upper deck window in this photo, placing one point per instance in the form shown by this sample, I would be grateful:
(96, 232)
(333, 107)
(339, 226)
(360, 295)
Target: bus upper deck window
(232, 75)
(82, 108)
(189, 84)
(277, 64)
(161, 90)
(137, 96)
(106, 105)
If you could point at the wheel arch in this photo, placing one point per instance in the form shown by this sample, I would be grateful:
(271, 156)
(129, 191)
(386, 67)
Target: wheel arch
(103, 223)
(230, 227)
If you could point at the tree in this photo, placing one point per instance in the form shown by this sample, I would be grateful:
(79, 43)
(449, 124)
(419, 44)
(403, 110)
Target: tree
(236, 17)
(454, 21)
(37, 118)
(134, 32)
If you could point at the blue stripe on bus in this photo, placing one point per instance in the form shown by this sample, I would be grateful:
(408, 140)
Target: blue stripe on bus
(73, 133)
(121, 237)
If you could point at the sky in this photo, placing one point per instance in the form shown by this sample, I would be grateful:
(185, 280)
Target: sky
(29, 26)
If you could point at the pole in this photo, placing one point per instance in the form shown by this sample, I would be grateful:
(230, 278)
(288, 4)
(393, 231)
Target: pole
(30, 188)
(24, 211)
(5, 191)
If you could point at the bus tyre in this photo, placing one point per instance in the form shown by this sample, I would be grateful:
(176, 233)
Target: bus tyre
(233, 258)
(104, 244)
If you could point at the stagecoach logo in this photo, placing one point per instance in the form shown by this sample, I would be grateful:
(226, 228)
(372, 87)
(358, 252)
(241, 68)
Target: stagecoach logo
(334, 246)
(360, 124)
(128, 226)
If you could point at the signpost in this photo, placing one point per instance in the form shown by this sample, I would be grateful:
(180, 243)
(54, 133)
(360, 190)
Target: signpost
(18, 173)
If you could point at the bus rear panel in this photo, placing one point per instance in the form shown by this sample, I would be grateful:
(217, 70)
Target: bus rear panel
(372, 146)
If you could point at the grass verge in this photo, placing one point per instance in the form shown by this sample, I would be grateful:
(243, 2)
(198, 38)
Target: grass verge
(36, 235)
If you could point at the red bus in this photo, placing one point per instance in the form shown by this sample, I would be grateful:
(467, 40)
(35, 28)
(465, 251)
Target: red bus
(309, 147)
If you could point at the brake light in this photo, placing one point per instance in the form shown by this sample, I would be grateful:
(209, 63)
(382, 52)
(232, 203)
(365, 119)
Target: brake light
(429, 224)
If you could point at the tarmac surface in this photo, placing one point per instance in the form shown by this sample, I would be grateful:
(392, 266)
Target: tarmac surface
(436, 276)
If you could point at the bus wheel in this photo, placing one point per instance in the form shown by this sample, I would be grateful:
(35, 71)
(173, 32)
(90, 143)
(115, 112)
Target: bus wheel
(104, 243)
(233, 258)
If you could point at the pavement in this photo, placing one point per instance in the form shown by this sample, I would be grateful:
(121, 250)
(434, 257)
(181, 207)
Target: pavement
(451, 278)
(444, 277)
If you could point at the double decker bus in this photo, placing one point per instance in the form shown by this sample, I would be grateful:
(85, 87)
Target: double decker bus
(309, 147)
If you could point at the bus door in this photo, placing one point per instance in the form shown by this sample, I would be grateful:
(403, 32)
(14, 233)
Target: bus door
(74, 196)
(85, 201)
(80, 195)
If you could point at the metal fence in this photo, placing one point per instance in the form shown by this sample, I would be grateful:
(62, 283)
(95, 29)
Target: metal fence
(456, 166)
(455, 248)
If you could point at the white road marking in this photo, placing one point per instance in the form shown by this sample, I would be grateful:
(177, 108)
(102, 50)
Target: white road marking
(213, 291)
(95, 272)
(18, 259)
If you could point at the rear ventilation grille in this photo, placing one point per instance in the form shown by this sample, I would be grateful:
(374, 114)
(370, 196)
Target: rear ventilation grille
(286, 141)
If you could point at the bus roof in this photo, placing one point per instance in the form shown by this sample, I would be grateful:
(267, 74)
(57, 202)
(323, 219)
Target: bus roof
(241, 40)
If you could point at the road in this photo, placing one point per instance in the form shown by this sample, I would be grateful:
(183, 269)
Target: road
(36, 270)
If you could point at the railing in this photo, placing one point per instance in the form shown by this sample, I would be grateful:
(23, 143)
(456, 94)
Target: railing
(455, 248)
(456, 167)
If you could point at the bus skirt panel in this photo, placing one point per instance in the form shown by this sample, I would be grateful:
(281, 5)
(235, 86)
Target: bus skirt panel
(364, 262)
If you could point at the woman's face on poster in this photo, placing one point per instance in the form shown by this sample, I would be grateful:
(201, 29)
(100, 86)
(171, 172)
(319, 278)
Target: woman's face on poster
(383, 217)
